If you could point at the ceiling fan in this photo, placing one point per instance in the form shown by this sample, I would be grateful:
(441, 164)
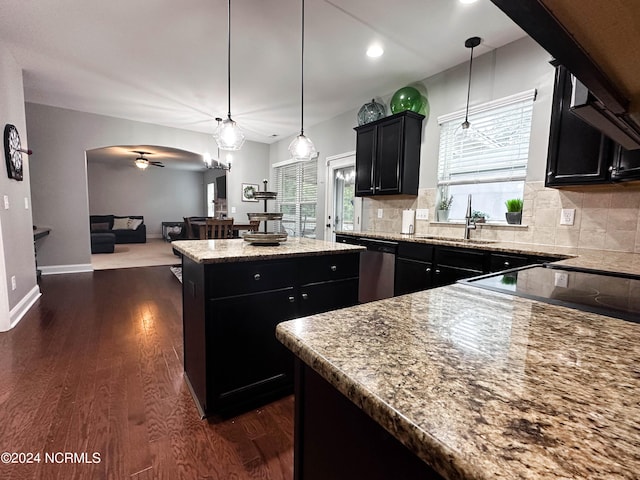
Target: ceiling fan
(142, 163)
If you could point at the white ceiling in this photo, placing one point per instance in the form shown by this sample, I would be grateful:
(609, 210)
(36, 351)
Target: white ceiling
(164, 62)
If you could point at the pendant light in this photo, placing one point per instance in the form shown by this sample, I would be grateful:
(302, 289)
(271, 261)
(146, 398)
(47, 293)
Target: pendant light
(471, 43)
(301, 148)
(228, 135)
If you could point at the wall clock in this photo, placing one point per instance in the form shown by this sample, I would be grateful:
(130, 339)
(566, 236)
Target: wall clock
(13, 151)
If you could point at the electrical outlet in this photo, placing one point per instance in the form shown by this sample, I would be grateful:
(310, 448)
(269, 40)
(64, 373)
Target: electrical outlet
(26, 203)
(561, 279)
(422, 214)
(13, 282)
(6, 202)
(567, 216)
(379, 213)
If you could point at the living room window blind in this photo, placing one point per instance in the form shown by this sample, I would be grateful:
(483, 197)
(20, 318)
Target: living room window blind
(297, 187)
(489, 159)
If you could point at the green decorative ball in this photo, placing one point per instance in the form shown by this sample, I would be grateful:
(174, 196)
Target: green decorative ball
(407, 98)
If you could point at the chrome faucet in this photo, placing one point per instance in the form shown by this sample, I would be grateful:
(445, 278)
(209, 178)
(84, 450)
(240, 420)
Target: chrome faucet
(470, 224)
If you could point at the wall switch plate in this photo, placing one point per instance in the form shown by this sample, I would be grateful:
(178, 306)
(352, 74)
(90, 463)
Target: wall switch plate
(567, 216)
(13, 282)
(379, 213)
(422, 214)
(6, 202)
(26, 203)
(561, 279)
(233, 209)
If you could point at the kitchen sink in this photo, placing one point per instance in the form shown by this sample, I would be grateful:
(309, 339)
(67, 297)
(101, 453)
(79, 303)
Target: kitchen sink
(453, 239)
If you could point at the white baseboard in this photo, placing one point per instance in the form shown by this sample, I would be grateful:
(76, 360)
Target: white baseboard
(23, 306)
(59, 269)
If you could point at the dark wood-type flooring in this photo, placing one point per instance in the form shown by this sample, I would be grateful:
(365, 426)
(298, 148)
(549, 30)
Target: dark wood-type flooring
(96, 366)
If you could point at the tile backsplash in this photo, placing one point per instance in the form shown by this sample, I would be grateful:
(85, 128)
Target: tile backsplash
(606, 217)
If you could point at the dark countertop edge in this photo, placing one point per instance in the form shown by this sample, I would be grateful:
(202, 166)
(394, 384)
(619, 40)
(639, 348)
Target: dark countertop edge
(434, 453)
(233, 258)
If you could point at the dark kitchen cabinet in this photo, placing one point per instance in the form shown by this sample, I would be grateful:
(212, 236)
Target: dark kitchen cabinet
(388, 155)
(232, 358)
(578, 153)
(626, 164)
(414, 268)
(453, 264)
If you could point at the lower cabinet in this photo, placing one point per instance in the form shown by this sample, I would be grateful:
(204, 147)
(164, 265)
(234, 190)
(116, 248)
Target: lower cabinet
(421, 266)
(232, 359)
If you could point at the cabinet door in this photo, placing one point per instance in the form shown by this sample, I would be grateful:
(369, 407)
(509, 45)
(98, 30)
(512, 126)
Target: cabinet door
(578, 153)
(245, 358)
(365, 158)
(412, 276)
(326, 296)
(626, 165)
(388, 167)
(443, 275)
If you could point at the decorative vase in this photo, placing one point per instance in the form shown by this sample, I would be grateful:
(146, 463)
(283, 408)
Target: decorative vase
(514, 218)
(443, 215)
(370, 112)
(407, 98)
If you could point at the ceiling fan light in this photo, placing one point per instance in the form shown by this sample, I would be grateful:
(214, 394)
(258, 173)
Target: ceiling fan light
(141, 163)
(302, 148)
(228, 135)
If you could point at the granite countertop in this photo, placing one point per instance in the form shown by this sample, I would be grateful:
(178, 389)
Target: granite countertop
(592, 259)
(234, 250)
(483, 385)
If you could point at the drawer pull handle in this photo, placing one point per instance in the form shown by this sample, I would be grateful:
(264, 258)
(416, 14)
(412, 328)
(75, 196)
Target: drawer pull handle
(506, 264)
(437, 271)
(428, 270)
(333, 268)
(292, 299)
(256, 277)
(305, 296)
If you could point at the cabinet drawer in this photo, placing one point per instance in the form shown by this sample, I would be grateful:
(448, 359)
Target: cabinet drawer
(329, 267)
(501, 261)
(326, 296)
(462, 258)
(415, 251)
(239, 278)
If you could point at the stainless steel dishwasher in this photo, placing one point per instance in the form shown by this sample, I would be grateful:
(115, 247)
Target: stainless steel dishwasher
(377, 267)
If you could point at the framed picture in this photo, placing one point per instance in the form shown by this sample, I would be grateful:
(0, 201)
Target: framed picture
(248, 191)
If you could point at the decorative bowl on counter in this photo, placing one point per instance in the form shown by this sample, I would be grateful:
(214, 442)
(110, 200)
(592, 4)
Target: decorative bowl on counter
(262, 238)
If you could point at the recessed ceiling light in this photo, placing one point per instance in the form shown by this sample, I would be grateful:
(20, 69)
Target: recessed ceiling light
(374, 51)
(467, 1)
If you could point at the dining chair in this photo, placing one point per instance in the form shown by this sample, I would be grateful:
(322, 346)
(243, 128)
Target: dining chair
(254, 225)
(219, 228)
(189, 234)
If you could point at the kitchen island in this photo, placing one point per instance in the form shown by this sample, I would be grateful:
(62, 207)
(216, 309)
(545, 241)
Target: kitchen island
(473, 383)
(235, 293)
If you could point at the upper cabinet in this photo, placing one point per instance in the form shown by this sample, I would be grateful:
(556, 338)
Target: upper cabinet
(578, 153)
(388, 155)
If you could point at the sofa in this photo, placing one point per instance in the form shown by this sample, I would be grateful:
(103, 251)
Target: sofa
(129, 229)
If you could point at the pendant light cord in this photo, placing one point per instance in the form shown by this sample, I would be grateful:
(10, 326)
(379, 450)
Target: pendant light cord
(302, 77)
(229, 60)
(466, 115)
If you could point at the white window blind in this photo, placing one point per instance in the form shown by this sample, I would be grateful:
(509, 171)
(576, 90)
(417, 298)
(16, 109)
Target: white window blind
(495, 148)
(296, 184)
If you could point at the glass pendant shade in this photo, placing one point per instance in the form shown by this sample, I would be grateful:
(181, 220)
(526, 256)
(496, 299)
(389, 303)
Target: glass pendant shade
(142, 164)
(228, 135)
(301, 148)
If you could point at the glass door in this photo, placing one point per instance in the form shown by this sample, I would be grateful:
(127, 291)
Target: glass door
(343, 207)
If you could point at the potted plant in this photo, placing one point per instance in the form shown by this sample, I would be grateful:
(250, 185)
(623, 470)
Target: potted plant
(479, 217)
(443, 209)
(514, 211)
